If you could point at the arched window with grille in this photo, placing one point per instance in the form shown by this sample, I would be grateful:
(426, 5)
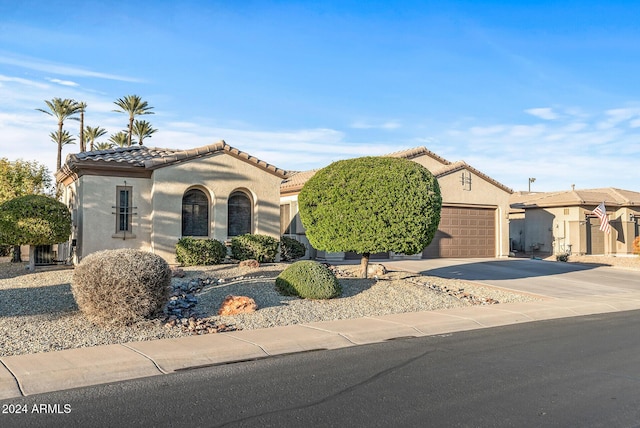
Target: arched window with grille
(239, 218)
(195, 213)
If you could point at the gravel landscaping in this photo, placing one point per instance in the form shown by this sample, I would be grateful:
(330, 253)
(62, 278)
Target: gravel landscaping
(38, 312)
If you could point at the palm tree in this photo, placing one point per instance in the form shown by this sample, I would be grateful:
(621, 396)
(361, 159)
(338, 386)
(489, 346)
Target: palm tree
(82, 106)
(62, 139)
(92, 134)
(134, 106)
(143, 129)
(103, 145)
(119, 139)
(61, 110)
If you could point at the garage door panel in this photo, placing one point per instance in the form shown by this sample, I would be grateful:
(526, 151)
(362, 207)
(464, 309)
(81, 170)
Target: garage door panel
(464, 232)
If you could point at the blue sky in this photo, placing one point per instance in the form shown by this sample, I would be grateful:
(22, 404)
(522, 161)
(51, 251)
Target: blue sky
(517, 89)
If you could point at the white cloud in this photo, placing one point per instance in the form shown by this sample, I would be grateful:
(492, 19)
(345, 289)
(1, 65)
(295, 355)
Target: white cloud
(63, 82)
(389, 125)
(545, 113)
(22, 81)
(61, 69)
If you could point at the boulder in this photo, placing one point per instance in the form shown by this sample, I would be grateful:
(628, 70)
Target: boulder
(233, 305)
(176, 272)
(376, 269)
(251, 263)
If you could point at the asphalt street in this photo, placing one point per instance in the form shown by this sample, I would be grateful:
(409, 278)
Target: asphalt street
(582, 371)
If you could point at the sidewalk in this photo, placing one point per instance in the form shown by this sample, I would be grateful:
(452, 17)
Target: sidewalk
(23, 375)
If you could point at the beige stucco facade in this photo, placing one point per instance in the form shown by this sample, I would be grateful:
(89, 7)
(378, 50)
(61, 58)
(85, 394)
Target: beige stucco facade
(461, 186)
(564, 223)
(158, 185)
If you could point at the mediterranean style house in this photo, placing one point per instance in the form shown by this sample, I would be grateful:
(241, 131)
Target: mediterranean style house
(148, 198)
(474, 219)
(563, 222)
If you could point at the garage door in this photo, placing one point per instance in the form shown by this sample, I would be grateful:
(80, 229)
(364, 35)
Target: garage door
(464, 232)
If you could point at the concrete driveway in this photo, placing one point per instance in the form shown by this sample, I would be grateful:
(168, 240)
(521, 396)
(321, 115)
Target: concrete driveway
(546, 278)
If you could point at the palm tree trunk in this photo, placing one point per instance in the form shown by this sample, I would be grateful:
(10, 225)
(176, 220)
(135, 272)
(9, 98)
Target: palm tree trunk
(59, 160)
(130, 130)
(83, 146)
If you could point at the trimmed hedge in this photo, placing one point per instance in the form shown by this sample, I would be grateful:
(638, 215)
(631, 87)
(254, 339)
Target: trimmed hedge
(291, 249)
(120, 287)
(262, 248)
(200, 252)
(308, 279)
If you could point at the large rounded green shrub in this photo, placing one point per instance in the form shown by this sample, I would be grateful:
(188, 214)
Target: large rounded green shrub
(308, 279)
(369, 205)
(262, 248)
(120, 287)
(200, 252)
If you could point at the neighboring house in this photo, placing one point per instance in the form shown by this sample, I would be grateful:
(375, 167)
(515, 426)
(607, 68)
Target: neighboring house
(474, 219)
(148, 198)
(563, 222)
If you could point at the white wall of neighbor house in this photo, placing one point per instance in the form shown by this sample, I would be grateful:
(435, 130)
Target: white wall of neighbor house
(291, 225)
(218, 177)
(95, 227)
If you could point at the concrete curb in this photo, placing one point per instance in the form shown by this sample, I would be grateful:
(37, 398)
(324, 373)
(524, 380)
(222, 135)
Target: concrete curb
(23, 375)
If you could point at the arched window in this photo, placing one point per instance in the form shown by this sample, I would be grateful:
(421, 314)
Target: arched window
(195, 213)
(239, 214)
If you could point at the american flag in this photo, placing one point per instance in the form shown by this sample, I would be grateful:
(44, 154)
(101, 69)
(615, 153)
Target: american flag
(601, 213)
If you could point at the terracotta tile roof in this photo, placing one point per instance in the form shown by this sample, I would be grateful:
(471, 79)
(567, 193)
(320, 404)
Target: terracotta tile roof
(296, 180)
(609, 195)
(415, 152)
(150, 158)
(134, 155)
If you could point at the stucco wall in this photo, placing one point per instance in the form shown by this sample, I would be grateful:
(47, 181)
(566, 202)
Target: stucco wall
(428, 162)
(96, 221)
(218, 176)
(481, 193)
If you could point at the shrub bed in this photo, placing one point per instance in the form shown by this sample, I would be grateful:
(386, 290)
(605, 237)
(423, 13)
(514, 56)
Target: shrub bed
(291, 249)
(200, 252)
(308, 279)
(120, 287)
(262, 248)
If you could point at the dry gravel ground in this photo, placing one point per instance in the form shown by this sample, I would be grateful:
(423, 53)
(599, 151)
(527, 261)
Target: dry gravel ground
(38, 312)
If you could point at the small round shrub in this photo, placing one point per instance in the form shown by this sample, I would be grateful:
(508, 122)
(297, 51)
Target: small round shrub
(262, 248)
(308, 279)
(120, 287)
(291, 249)
(200, 252)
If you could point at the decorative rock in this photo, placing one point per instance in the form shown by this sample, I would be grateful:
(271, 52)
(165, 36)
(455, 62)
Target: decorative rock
(251, 263)
(177, 272)
(376, 269)
(233, 305)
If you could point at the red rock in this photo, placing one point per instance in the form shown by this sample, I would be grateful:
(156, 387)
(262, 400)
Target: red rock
(252, 263)
(233, 305)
